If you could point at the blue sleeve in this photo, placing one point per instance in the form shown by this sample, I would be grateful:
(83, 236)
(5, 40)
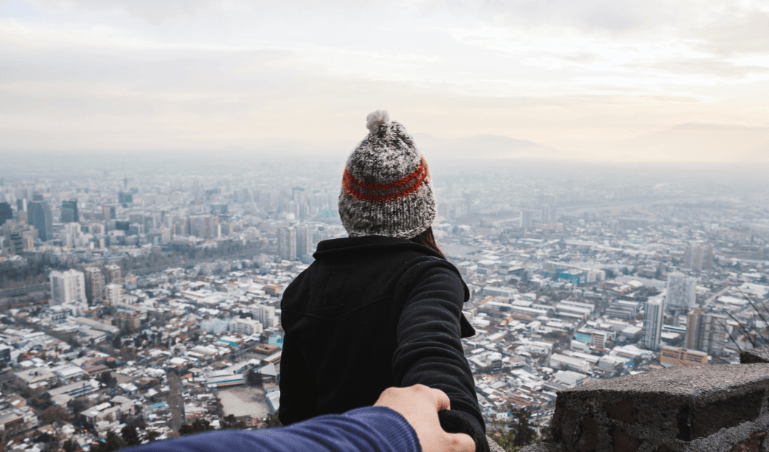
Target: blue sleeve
(366, 429)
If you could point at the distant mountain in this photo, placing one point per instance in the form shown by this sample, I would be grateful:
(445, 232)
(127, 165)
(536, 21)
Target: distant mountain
(482, 147)
(700, 142)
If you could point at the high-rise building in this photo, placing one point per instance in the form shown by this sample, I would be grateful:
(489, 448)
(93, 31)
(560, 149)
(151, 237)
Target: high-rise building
(297, 194)
(67, 287)
(265, 315)
(69, 212)
(693, 319)
(6, 213)
(125, 198)
(698, 256)
(41, 218)
(70, 234)
(653, 319)
(204, 226)
(546, 217)
(114, 293)
(304, 241)
(706, 332)
(94, 285)
(526, 220)
(108, 213)
(287, 243)
(681, 291)
(113, 274)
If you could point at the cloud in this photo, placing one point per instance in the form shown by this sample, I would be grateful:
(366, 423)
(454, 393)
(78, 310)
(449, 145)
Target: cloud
(746, 33)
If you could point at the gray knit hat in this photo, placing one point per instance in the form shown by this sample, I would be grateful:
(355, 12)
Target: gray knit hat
(386, 188)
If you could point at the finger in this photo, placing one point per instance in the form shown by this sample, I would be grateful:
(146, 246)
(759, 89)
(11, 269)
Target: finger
(461, 442)
(442, 401)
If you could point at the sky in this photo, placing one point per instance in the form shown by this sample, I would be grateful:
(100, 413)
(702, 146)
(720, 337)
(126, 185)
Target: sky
(625, 80)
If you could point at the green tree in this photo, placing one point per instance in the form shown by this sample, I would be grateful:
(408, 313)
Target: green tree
(229, 422)
(197, 426)
(55, 413)
(524, 434)
(130, 435)
(112, 443)
(70, 446)
(503, 436)
(151, 436)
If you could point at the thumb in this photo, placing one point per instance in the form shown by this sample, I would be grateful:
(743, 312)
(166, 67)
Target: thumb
(459, 442)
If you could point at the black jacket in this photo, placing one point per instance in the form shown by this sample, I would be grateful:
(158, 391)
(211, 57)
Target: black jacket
(373, 312)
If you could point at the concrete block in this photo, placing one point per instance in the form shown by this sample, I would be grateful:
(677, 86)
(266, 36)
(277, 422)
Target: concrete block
(714, 408)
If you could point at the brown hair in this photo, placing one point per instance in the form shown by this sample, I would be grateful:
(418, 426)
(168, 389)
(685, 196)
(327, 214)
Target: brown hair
(427, 239)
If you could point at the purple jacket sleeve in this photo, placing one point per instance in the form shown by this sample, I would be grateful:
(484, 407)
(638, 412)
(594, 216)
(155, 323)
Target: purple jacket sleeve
(366, 429)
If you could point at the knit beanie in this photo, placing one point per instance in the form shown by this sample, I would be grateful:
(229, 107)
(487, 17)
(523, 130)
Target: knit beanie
(386, 188)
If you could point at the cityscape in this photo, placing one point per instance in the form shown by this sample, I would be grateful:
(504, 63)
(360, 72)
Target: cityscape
(141, 298)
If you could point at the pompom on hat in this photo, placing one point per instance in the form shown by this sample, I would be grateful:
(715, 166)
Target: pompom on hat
(386, 187)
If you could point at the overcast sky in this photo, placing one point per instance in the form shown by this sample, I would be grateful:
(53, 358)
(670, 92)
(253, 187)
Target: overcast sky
(588, 78)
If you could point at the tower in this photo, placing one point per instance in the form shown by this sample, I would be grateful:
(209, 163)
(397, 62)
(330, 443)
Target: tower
(94, 285)
(698, 256)
(41, 218)
(6, 213)
(546, 217)
(67, 287)
(693, 328)
(113, 274)
(107, 213)
(526, 219)
(303, 241)
(653, 318)
(69, 212)
(681, 291)
(706, 332)
(287, 243)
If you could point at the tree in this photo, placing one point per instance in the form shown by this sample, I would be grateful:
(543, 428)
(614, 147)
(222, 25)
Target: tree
(524, 434)
(197, 426)
(69, 446)
(151, 436)
(110, 444)
(56, 413)
(130, 435)
(229, 422)
(505, 438)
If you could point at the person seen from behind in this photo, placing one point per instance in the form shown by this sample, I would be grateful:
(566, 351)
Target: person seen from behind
(383, 307)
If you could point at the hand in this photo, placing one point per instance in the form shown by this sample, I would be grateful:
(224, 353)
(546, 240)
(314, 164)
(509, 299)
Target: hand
(420, 405)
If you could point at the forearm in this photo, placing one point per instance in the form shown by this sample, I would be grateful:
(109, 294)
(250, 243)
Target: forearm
(365, 429)
(429, 350)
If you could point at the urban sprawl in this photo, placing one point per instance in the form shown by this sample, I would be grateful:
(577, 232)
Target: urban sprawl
(152, 300)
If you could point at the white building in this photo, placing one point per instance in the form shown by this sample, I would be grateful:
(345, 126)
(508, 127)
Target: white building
(681, 291)
(653, 319)
(304, 241)
(265, 315)
(114, 294)
(67, 287)
(245, 326)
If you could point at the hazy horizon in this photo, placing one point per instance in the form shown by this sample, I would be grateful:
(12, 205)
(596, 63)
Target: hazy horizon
(628, 82)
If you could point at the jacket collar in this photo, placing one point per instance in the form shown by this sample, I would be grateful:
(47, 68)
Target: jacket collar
(369, 243)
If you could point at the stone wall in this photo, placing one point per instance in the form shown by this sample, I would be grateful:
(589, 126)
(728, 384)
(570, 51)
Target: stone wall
(706, 408)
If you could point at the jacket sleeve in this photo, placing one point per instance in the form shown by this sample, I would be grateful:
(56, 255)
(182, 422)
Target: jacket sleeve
(428, 348)
(367, 429)
(298, 393)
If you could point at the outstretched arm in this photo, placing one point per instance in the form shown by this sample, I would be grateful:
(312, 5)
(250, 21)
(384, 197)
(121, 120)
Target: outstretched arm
(429, 350)
(402, 420)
